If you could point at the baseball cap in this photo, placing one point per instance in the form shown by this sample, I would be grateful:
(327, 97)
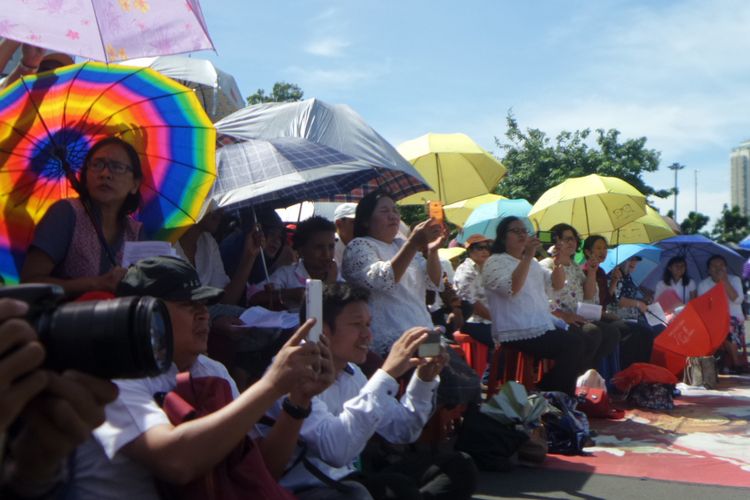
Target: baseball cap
(167, 278)
(345, 211)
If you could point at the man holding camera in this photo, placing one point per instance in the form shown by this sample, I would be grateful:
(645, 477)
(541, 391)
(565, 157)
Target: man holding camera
(138, 444)
(344, 417)
(46, 415)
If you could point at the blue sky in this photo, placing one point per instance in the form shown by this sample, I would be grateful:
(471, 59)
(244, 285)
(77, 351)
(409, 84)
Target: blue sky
(675, 72)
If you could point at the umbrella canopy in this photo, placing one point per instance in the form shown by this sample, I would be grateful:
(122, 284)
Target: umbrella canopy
(593, 205)
(336, 126)
(454, 165)
(698, 330)
(649, 255)
(648, 229)
(108, 30)
(745, 243)
(458, 212)
(49, 121)
(216, 90)
(696, 249)
(484, 218)
(278, 172)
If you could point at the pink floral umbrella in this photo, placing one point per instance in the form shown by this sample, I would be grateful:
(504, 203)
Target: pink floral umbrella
(107, 30)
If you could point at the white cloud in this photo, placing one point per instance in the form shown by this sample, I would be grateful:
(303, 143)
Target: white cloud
(327, 47)
(337, 78)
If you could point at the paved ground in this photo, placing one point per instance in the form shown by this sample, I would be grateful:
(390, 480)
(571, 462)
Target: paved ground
(528, 483)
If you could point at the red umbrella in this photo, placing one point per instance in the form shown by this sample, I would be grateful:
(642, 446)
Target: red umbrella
(697, 331)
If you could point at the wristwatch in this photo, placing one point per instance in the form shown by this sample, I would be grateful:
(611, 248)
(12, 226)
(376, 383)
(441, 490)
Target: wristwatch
(294, 411)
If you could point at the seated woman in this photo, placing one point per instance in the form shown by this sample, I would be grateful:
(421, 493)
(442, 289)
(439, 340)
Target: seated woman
(391, 268)
(630, 302)
(636, 341)
(78, 243)
(676, 278)
(314, 241)
(469, 287)
(718, 275)
(576, 286)
(516, 292)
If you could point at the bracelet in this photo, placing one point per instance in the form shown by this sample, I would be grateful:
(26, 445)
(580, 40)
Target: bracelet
(294, 411)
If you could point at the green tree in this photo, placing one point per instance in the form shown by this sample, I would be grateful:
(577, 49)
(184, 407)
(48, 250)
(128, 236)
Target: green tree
(732, 226)
(281, 92)
(536, 163)
(693, 224)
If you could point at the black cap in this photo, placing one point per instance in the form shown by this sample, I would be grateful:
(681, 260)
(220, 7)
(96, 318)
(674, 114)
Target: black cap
(167, 278)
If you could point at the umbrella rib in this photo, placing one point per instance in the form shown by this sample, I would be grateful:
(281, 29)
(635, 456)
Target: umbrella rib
(36, 109)
(180, 163)
(174, 204)
(67, 94)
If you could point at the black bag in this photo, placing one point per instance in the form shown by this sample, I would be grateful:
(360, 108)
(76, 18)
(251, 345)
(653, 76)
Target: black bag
(568, 432)
(459, 383)
(652, 396)
(492, 445)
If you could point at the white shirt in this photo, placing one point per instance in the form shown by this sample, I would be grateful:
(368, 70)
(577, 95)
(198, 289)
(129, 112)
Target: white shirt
(102, 472)
(469, 286)
(346, 415)
(524, 315)
(682, 291)
(208, 261)
(395, 306)
(735, 306)
(338, 251)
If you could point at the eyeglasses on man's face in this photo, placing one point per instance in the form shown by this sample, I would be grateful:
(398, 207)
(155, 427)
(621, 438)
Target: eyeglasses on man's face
(114, 166)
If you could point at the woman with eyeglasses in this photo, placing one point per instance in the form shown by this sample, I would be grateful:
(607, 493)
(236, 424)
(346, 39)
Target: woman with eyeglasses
(516, 286)
(577, 286)
(78, 243)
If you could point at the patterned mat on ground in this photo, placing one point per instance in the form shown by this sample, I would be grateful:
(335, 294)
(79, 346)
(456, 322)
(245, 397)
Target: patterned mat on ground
(705, 439)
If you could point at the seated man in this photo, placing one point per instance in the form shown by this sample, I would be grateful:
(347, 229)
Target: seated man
(314, 241)
(46, 414)
(345, 416)
(138, 444)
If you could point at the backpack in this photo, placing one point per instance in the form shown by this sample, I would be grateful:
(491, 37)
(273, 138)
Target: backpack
(243, 473)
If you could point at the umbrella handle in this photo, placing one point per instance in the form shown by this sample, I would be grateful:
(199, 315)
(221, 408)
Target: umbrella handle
(262, 252)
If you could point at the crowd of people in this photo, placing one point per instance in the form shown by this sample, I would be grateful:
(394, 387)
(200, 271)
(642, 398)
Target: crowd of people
(303, 424)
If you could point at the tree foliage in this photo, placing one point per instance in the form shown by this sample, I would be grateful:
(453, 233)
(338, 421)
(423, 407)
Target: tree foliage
(732, 226)
(693, 223)
(536, 163)
(281, 92)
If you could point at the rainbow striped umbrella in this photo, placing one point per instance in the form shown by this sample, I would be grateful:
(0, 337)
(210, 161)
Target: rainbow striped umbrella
(49, 121)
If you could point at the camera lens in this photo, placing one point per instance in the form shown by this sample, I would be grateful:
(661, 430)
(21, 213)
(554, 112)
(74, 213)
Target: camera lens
(128, 337)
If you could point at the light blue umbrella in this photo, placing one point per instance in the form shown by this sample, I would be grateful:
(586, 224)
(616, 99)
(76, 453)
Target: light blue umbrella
(649, 255)
(744, 243)
(484, 219)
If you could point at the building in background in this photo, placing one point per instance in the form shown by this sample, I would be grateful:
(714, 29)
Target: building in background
(740, 165)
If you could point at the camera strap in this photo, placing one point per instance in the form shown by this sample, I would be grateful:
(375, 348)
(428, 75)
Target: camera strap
(98, 228)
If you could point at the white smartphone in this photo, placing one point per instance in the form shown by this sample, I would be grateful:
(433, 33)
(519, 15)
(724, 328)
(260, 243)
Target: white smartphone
(314, 308)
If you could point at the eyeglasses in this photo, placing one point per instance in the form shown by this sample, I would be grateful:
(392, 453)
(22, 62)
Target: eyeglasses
(569, 239)
(114, 166)
(480, 246)
(518, 231)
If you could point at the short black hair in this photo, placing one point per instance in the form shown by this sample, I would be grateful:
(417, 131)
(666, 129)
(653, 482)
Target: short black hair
(498, 246)
(336, 297)
(559, 229)
(365, 209)
(132, 201)
(588, 243)
(713, 258)
(310, 226)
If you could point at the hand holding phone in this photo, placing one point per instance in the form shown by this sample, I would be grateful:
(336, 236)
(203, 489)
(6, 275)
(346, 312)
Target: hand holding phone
(314, 308)
(431, 347)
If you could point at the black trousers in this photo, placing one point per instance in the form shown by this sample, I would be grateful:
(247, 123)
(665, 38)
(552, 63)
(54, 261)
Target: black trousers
(564, 348)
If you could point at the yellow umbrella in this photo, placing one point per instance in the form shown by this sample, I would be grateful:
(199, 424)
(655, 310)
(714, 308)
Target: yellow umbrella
(454, 166)
(648, 229)
(450, 253)
(593, 205)
(458, 212)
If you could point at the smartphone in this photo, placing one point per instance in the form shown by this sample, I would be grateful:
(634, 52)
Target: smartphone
(430, 347)
(544, 236)
(314, 308)
(435, 211)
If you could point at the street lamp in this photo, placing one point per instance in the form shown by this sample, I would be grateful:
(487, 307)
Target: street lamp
(676, 167)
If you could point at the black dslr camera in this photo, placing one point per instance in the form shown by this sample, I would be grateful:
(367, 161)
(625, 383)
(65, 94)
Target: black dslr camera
(127, 337)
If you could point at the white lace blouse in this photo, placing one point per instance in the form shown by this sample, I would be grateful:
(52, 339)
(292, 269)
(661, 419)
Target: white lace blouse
(395, 306)
(524, 315)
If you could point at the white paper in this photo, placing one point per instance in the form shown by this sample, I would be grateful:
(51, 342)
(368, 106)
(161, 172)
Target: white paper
(264, 318)
(592, 312)
(655, 315)
(133, 251)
